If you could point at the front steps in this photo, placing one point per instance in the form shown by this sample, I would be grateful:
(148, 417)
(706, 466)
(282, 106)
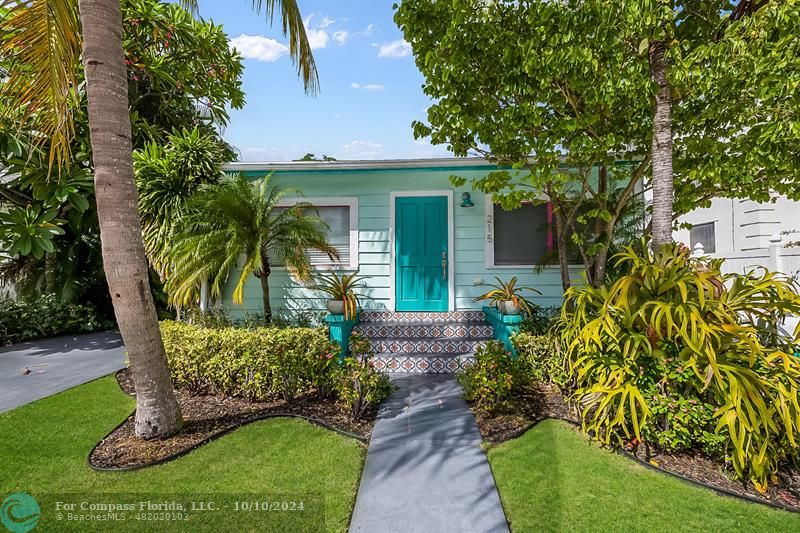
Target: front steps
(440, 343)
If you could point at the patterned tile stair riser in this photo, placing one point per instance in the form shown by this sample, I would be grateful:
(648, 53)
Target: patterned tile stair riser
(440, 343)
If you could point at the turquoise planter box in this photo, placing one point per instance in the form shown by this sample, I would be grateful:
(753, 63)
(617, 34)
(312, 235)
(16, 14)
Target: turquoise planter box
(504, 326)
(340, 330)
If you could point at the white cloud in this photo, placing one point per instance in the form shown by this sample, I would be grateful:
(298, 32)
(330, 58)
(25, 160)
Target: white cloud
(259, 47)
(317, 38)
(341, 36)
(398, 48)
(363, 149)
(325, 22)
(368, 86)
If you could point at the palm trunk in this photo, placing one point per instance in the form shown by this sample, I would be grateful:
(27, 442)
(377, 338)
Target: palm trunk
(264, 278)
(661, 148)
(157, 411)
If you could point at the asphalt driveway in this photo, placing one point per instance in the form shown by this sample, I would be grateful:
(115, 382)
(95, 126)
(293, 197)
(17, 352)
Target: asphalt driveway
(36, 369)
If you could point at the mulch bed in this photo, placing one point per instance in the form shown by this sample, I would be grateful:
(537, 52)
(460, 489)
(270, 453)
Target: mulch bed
(538, 402)
(209, 416)
(542, 401)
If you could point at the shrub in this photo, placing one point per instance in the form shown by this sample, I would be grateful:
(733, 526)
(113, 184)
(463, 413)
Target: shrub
(541, 358)
(675, 326)
(47, 316)
(540, 320)
(256, 363)
(359, 385)
(492, 379)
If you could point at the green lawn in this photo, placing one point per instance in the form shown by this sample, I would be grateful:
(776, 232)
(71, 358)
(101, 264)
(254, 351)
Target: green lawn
(44, 445)
(552, 479)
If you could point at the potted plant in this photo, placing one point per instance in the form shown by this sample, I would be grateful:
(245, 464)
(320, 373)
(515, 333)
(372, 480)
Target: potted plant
(506, 297)
(340, 288)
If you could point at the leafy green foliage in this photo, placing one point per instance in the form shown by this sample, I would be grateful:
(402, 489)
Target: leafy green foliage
(29, 230)
(261, 363)
(675, 325)
(236, 218)
(165, 83)
(493, 378)
(47, 316)
(341, 286)
(255, 363)
(542, 359)
(358, 384)
(561, 93)
(509, 292)
(167, 175)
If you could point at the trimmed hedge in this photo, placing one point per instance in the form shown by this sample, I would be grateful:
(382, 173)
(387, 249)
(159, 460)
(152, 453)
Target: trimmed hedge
(260, 363)
(254, 363)
(47, 316)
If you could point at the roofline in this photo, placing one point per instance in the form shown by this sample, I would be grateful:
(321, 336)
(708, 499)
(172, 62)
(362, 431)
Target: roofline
(364, 164)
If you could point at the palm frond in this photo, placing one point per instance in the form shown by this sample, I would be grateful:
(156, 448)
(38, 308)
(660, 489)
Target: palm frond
(294, 29)
(41, 39)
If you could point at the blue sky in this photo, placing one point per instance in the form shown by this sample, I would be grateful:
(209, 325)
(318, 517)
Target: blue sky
(370, 87)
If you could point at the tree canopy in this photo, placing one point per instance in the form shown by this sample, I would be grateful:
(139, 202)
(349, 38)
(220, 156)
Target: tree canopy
(556, 89)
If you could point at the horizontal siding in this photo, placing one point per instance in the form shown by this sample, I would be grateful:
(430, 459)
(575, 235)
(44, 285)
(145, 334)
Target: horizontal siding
(372, 189)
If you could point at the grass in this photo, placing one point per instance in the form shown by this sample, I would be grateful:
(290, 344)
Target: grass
(44, 445)
(553, 479)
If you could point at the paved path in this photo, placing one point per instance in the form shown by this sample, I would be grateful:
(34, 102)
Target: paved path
(425, 470)
(55, 365)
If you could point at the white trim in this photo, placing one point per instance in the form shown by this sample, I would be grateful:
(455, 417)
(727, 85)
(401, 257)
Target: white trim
(451, 261)
(381, 164)
(334, 201)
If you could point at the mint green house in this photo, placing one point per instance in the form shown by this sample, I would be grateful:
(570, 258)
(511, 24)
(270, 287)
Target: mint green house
(425, 247)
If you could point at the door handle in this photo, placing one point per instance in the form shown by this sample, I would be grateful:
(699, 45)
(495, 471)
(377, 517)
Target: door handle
(444, 265)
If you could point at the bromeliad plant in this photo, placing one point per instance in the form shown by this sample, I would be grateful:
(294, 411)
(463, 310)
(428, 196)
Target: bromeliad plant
(508, 292)
(673, 326)
(341, 287)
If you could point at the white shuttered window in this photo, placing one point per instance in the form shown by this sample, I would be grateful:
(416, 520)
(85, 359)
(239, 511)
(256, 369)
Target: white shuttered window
(340, 213)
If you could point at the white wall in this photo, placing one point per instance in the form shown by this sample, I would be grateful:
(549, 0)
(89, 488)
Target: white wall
(744, 225)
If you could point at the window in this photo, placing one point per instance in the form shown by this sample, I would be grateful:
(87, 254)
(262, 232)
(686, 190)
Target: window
(520, 237)
(704, 234)
(341, 216)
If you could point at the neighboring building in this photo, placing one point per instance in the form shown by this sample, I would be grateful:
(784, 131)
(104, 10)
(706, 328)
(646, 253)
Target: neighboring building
(426, 248)
(747, 234)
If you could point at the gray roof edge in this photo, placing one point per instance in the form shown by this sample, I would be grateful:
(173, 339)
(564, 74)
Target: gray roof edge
(377, 164)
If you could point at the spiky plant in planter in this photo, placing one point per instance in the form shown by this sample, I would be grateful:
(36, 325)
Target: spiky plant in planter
(507, 299)
(341, 289)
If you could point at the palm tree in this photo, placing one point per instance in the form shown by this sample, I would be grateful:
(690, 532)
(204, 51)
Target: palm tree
(44, 41)
(661, 147)
(239, 218)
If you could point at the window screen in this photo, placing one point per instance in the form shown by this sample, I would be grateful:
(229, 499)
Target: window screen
(520, 235)
(704, 233)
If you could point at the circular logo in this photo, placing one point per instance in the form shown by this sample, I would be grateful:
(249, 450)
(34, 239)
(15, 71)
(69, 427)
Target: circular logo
(19, 512)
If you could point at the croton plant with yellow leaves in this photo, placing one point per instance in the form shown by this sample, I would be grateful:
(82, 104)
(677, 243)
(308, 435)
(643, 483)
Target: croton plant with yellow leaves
(674, 329)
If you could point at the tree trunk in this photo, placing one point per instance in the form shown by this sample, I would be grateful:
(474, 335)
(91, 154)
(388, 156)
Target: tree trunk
(157, 411)
(561, 244)
(661, 148)
(264, 278)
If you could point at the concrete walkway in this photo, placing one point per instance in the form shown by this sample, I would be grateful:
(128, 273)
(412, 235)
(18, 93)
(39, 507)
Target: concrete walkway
(425, 470)
(55, 365)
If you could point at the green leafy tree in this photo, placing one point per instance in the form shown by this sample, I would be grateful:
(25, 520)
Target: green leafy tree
(46, 39)
(181, 74)
(572, 96)
(239, 218)
(167, 175)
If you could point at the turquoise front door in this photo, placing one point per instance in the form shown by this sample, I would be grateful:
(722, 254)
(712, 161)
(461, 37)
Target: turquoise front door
(421, 261)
